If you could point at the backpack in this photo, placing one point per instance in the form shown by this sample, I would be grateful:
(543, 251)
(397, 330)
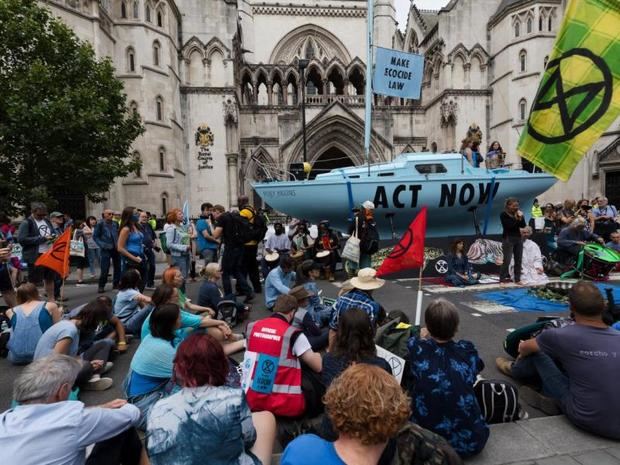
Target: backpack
(394, 336)
(414, 445)
(242, 230)
(259, 227)
(369, 243)
(498, 400)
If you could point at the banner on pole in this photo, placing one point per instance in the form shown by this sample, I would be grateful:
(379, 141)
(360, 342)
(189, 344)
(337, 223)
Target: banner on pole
(398, 74)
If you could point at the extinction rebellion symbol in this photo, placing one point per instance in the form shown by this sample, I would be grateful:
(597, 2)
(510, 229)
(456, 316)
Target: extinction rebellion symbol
(580, 103)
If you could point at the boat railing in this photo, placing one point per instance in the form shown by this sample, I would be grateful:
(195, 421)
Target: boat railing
(273, 172)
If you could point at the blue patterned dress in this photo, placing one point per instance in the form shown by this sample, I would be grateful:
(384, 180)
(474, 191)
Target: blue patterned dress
(443, 398)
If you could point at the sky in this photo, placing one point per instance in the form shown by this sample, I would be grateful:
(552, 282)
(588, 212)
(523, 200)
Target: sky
(402, 8)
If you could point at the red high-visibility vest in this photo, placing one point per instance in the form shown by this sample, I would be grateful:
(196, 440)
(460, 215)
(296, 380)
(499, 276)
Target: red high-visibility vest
(275, 381)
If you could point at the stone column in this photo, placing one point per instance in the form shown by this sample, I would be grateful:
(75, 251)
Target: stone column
(233, 180)
(269, 93)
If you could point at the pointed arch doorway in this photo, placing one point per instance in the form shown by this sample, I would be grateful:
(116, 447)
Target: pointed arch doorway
(330, 159)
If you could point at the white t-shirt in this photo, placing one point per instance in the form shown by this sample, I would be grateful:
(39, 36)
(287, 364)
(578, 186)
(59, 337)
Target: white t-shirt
(301, 346)
(44, 231)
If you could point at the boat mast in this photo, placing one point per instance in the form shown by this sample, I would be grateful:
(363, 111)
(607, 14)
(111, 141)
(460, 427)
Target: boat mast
(368, 91)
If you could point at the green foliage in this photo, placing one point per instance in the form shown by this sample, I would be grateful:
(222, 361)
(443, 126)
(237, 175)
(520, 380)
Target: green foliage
(64, 121)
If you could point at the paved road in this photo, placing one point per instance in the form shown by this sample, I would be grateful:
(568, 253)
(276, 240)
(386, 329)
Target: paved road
(479, 323)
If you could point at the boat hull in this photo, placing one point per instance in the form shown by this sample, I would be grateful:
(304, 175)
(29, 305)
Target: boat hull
(453, 202)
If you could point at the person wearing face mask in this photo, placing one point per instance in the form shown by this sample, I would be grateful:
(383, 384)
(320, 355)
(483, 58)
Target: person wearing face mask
(130, 244)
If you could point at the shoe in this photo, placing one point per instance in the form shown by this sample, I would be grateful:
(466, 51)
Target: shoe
(108, 366)
(248, 298)
(80, 283)
(97, 383)
(504, 365)
(150, 287)
(535, 399)
(100, 290)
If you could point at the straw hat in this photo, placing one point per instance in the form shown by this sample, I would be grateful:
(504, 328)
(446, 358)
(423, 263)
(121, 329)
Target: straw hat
(367, 280)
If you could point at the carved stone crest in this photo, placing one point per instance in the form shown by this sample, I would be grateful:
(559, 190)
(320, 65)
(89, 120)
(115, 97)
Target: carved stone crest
(448, 110)
(204, 139)
(230, 111)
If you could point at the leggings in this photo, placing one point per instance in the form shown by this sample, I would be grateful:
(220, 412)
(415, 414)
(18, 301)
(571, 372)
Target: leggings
(100, 350)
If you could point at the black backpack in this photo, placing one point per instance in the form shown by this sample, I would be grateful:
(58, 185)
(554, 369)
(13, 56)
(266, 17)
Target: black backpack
(498, 400)
(258, 224)
(242, 230)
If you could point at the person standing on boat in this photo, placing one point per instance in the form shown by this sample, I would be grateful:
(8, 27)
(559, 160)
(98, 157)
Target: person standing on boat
(495, 156)
(512, 245)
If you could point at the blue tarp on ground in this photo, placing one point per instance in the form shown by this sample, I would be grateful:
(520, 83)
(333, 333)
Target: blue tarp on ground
(522, 301)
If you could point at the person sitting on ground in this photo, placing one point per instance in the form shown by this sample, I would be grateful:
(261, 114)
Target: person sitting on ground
(150, 372)
(208, 413)
(109, 327)
(44, 428)
(354, 343)
(279, 281)
(274, 355)
(444, 373)
(173, 277)
(532, 271)
(318, 337)
(367, 407)
(131, 306)
(307, 274)
(166, 294)
(210, 294)
(584, 389)
(572, 239)
(460, 272)
(29, 320)
(360, 297)
(278, 241)
(64, 338)
(614, 242)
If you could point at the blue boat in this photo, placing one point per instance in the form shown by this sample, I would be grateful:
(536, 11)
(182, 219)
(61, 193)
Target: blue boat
(461, 200)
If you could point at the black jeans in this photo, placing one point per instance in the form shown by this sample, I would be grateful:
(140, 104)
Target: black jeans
(124, 448)
(250, 266)
(150, 267)
(108, 255)
(511, 246)
(232, 266)
(99, 350)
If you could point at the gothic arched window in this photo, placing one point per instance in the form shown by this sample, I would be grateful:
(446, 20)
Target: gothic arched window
(159, 108)
(522, 109)
(523, 61)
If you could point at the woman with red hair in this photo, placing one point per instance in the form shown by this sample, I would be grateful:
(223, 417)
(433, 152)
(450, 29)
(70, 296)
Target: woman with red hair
(207, 421)
(178, 240)
(217, 328)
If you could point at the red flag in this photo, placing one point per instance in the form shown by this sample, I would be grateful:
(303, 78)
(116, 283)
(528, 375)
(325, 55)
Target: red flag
(57, 257)
(409, 252)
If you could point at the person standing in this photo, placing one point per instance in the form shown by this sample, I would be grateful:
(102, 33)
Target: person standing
(179, 241)
(232, 259)
(250, 249)
(208, 246)
(36, 235)
(105, 236)
(512, 245)
(365, 227)
(130, 243)
(149, 243)
(91, 246)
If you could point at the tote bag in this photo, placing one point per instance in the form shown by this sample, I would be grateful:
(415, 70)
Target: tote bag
(77, 247)
(352, 247)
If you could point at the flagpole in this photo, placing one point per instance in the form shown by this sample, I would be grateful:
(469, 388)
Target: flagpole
(368, 89)
(418, 306)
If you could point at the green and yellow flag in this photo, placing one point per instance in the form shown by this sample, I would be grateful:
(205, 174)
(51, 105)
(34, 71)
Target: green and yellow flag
(579, 95)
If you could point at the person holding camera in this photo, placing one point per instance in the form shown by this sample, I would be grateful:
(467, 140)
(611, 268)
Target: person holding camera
(512, 245)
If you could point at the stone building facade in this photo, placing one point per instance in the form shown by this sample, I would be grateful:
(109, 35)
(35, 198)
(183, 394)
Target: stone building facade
(218, 86)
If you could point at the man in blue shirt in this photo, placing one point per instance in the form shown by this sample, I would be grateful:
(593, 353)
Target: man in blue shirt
(106, 237)
(279, 281)
(207, 244)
